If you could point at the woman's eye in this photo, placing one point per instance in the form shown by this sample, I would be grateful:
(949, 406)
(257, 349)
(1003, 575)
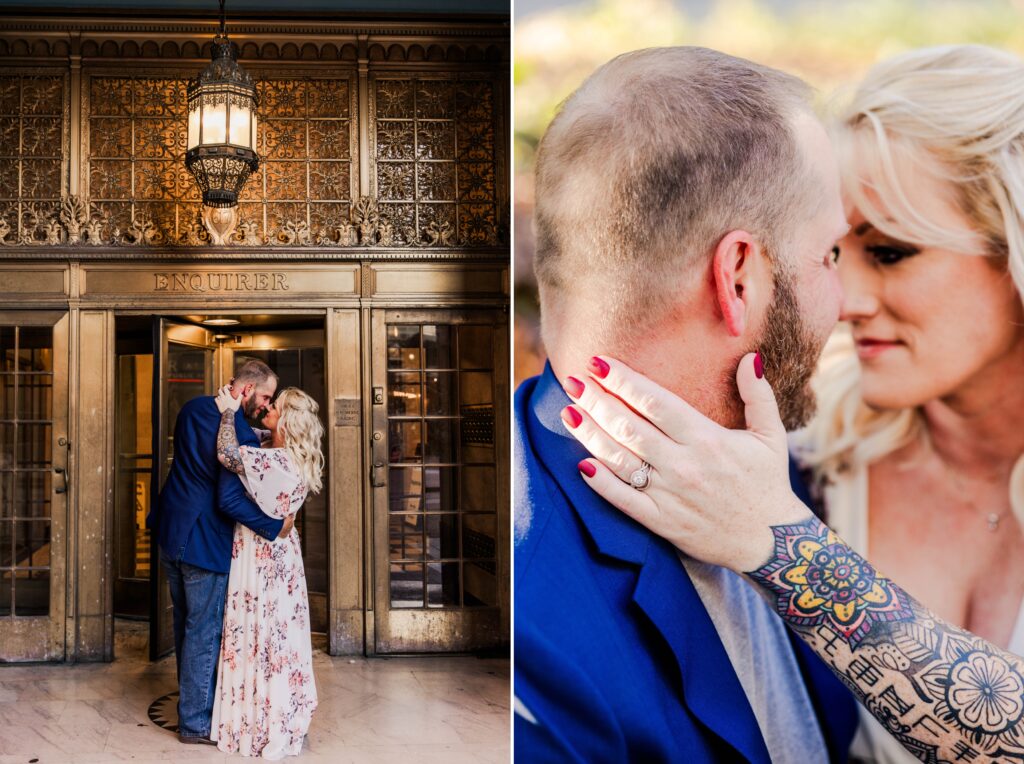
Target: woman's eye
(886, 255)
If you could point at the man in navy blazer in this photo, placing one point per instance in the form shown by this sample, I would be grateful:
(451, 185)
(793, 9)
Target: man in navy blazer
(686, 202)
(196, 514)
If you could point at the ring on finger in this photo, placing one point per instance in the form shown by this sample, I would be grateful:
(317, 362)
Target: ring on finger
(641, 478)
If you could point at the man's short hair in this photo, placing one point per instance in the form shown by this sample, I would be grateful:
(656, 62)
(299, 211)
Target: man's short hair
(656, 156)
(254, 372)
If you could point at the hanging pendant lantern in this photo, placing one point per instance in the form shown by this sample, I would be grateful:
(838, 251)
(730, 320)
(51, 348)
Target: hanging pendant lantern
(222, 105)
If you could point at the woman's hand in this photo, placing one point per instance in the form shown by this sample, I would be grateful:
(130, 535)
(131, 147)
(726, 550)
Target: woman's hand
(226, 401)
(713, 492)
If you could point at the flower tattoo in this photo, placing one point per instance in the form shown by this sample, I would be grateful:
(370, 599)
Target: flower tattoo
(985, 693)
(818, 579)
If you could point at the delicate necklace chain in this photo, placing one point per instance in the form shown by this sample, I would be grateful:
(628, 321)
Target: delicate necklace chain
(991, 518)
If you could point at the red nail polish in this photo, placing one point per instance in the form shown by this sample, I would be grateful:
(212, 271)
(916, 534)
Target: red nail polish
(758, 365)
(599, 366)
(571, 417)
(574, 387)
(587, 468)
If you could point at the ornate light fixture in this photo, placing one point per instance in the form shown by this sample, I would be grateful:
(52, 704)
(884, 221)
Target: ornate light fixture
(222, 105)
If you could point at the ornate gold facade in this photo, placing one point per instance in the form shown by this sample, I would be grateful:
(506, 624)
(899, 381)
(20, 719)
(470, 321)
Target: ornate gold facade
(370, 259)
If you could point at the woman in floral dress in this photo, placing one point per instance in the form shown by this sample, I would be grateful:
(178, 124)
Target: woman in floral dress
(265, 694)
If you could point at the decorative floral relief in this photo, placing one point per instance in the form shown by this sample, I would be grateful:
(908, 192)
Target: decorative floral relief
(435, 181)
(329, 139)
(395, 140)
(435, 140)
(10, 131)
(110, 137)
(41, 137)
(284, 139)
(283, 98)
(10, 95)
(40, 178)
(140, 123)
(42, 95)
(435, 98)
(475, 100)
(395, 180)
(248, 233)
(476, 141)
(329, 180)
(160, 139)
(476, 182)
(328, 98)
(394, 99)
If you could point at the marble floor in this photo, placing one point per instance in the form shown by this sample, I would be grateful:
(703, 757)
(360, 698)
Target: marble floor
(447, 710)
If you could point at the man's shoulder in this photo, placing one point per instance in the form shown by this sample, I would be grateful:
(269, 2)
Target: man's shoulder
(200, 406)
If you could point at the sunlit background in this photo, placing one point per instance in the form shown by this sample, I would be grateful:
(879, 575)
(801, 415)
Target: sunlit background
(828, 44)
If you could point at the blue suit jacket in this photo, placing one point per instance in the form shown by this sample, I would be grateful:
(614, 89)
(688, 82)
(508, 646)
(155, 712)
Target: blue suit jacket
(616, 658)
(201, 501)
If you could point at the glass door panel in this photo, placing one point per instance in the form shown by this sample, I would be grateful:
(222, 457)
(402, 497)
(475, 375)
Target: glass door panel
(437, 513)
(33, 483)
(183, 368)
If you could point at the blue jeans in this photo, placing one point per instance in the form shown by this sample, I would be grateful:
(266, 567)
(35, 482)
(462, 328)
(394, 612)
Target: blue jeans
(198, 598)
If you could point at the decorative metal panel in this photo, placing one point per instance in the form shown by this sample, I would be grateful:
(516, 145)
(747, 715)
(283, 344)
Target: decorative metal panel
(32, 151)
(140, 189)
(435, 159)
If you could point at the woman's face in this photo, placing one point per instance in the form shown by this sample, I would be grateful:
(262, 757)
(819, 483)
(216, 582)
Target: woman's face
(926, 321)
(271, 418)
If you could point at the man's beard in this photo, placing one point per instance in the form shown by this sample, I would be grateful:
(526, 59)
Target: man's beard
(790, 352)
(249, 408)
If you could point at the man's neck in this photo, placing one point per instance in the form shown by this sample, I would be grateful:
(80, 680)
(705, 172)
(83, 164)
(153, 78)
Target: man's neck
(688, 367)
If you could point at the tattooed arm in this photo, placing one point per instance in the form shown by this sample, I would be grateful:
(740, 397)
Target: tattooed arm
(942, 692)
(723, 496)
(228, 452)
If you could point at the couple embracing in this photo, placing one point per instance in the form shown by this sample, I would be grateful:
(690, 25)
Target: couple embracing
(690, 583)
(233, 560)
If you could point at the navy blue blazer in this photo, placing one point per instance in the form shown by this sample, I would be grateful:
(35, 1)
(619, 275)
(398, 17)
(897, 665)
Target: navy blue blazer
(616, 658)
(201, 501)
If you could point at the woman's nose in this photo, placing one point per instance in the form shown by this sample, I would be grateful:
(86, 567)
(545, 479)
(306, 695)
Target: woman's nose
(860, 297)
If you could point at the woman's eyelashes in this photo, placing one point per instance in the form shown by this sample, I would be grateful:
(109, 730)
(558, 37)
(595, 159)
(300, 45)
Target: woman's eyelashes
(890, 254)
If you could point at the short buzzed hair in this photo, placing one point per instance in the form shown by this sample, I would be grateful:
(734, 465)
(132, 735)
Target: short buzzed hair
(254, 372)
(656, 156)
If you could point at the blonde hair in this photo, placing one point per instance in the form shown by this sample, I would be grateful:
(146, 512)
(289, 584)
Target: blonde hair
(303, 431)
(655, 157)
(952, 117)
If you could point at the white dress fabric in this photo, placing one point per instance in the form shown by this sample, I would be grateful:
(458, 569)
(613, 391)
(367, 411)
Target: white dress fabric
(846, 508)
(265, 694)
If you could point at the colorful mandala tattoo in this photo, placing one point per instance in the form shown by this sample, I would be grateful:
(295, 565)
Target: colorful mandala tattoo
(818, 579)
(945, 694)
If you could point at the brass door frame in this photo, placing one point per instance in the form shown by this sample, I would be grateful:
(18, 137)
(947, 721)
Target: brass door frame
(219, 372)
(165, 331)
(42, 638)
(434, 629)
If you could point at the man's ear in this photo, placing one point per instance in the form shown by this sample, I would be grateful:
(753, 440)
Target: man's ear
(735, 269)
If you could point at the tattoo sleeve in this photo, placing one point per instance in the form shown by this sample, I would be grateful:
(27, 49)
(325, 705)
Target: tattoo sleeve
(945, 694)
(227, 444)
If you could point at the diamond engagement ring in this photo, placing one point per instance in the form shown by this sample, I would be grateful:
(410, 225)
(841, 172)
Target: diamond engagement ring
(641, 478)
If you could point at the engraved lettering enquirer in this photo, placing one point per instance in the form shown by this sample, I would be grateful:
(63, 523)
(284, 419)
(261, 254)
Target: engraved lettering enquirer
(261, 281)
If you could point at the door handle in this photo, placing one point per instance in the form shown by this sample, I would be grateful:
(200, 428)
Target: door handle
(376, 475)
(64, 474)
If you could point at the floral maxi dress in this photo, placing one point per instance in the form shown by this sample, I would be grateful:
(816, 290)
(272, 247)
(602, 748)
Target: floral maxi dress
(265, 693)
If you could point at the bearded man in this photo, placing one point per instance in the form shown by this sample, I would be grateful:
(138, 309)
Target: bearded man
(687, 206)
(195, 520)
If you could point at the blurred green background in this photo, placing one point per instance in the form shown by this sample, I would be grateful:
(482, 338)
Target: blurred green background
(829, 44)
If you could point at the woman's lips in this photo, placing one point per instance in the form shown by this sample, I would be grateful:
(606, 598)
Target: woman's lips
(869, 347)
